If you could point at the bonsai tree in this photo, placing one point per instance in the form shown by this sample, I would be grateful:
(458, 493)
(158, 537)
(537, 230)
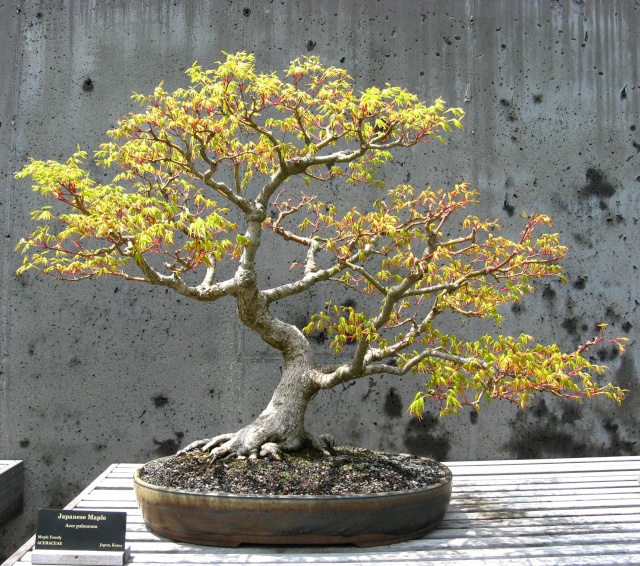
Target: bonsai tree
(206, 173)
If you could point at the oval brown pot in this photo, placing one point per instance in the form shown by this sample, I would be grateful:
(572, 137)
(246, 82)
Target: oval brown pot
(223, 519)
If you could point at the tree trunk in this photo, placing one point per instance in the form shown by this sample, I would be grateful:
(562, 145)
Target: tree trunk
(280, 427)
(282, 421)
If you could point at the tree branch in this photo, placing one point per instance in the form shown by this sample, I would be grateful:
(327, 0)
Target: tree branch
(203, 292)
(346, 372)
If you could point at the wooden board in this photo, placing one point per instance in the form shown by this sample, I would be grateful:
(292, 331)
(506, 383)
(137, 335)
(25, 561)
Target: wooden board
(562, 512)
(11, 489)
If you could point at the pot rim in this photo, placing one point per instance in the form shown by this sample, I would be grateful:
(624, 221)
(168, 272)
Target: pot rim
(137, 480)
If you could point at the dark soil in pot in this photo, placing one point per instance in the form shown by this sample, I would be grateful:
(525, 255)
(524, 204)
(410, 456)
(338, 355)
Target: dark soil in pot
(349, 471)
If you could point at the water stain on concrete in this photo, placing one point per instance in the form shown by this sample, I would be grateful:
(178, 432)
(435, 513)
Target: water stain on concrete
(597, 184)
(421, 438)
(170, 446)
(160, 400)
(393, 404)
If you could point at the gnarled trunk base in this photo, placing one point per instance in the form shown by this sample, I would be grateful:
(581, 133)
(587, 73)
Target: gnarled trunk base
(279, 428)
(249, 442)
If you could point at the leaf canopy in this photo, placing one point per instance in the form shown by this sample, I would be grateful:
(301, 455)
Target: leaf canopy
(204, 171)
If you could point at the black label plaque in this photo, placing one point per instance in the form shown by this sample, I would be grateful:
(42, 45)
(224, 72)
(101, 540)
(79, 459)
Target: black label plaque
(81, 530)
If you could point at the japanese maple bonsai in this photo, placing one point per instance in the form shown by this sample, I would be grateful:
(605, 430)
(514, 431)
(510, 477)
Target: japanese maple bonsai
(206, 173)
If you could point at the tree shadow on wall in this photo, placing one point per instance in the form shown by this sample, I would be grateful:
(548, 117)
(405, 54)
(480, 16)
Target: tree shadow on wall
(540, 432)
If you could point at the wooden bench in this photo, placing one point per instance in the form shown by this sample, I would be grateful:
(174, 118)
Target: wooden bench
(11, 489)
(517, 512)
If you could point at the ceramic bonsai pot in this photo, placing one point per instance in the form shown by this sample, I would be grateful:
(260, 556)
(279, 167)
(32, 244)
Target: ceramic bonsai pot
(223, 519)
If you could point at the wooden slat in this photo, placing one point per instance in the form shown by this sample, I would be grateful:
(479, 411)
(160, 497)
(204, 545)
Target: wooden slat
(11, 489)
(476, 469)
(535, 513)
(620, 554)
(601, 560)
(588, 464)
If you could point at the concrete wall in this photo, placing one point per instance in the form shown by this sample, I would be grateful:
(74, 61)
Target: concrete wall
(105, 371)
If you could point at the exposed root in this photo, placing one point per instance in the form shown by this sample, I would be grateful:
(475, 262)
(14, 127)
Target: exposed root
(242, 445)
(270, 450)
(324, 443)
(207, 443)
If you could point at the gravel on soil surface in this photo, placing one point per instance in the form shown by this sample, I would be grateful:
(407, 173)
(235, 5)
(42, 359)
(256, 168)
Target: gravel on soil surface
(348, 471)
